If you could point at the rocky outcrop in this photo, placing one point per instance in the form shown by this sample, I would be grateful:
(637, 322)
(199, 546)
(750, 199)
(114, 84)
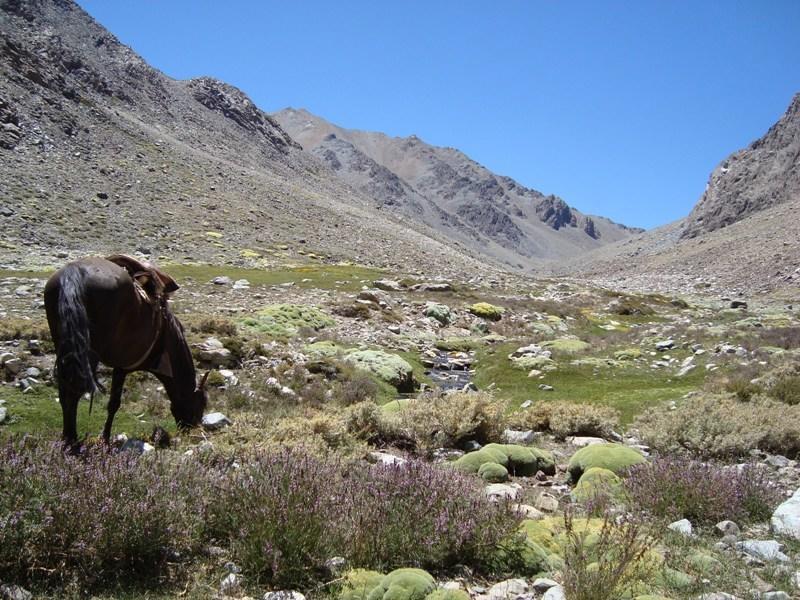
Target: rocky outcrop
(765, 174)
(556, 213)
(233, 104)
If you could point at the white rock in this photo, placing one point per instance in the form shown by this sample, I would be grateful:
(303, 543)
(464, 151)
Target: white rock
(230, 585)
(585, 440)
(546, 503)
(508, 589)
(513, 436)
(769, 550)
(385, 458)
(215, 420)
(727, 528)
(684, 527)
(284, 595)
(554, 593)
(499, 491)
(3, 414)
(786, 518)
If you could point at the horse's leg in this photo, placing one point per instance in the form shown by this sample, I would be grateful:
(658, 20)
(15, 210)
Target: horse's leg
(114, 399)
(69, 414)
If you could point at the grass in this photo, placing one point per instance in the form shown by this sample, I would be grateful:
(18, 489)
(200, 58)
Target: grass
(341, 277)
(628, 389)
(38, 412)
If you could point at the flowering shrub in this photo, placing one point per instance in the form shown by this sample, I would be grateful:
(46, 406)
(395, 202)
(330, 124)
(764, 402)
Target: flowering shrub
(701, 492)
(97, 517)
(286, 513)
(104, 518)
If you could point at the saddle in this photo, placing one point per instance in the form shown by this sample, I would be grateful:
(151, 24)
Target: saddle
(154, 285)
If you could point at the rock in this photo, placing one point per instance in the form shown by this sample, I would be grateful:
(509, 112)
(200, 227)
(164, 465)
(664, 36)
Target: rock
(738, 304)
(777, 461)
(546, 503)
(786, 518)
(241, 284)
(581, 441)
(768, 550)
(440, 286)
(33, 372)
(554, 593)
(665, 345)
(727, 528)
(546, 388)
(9, 591)
(138, 446)
(684, 527)
(717, 596)
(336, 566)
(529, 512)
(13, 366)
(508, 589)
(23, 291)
(500, 491)
(388, 285)
(774, 596)
(231, 585)
(385, 458)
(222, 280)
(542, 584)
(513, 436)
(213, 353)
(3, 414)
(215, 420)
(283, 595)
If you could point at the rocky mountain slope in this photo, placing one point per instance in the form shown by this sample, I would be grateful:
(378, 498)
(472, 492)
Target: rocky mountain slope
(765, 174)
(100, 152)
(743, 236)
(460, 198)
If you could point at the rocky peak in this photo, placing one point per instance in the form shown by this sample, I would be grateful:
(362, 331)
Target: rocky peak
(235, 105)
(765, 174)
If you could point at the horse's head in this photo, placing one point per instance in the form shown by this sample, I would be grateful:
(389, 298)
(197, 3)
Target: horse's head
(190, 412)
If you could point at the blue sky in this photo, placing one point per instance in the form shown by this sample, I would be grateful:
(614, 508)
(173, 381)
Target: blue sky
(621, 108)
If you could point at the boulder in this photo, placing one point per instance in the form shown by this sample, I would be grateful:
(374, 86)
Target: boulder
(786, 518)
(388, 285)
(684, 527)
(439, 312)
(508, 589)
(768, 550)
(215, 420)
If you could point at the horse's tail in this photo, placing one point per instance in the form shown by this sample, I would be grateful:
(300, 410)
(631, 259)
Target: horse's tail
(74, 341)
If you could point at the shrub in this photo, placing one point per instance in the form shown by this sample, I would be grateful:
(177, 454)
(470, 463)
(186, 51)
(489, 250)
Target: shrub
(611, 564)
(434, 421)
(353, 310)
(703, 493)
(404, 584)
(285, 513)
(94, 519)
(487, 311)
(358, 387)
(786, 389)
(217, 325)
(742, 387)
(720, 427)
(566, 418)
(284, 320)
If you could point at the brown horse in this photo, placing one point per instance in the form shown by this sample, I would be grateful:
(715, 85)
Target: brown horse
(115, 311)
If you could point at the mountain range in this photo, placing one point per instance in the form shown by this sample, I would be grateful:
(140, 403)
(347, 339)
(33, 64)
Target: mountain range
(102, 152)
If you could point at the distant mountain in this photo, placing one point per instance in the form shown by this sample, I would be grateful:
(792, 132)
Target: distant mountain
(444, 188)
(100, 152)
(765, 174)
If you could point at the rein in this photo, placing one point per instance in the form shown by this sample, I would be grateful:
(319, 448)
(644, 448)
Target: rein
(160, 317)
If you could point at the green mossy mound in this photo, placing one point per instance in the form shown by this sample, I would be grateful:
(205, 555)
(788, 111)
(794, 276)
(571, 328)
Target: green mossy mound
(517, 460)
(595, 483)
(395, 406)
(567, 345)
(404, 584)
(358, 583)
(440, 312)
(628, 354)
(493, 472)
(614, 457)
(487, 311)
(284, 320)
(527, 362)
(321, 350)
(388, 367)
